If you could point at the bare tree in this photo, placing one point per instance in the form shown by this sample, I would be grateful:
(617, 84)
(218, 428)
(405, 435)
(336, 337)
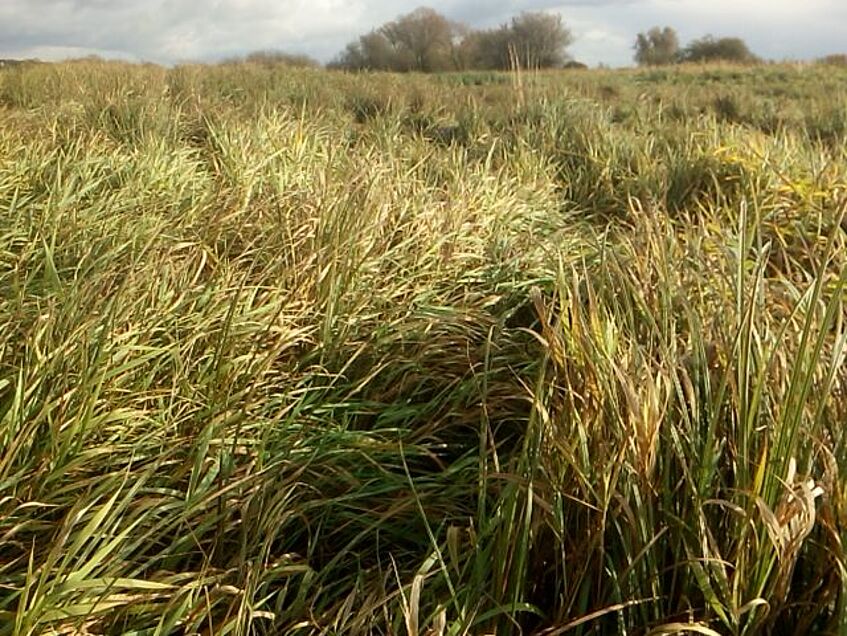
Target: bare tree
(488, 49)
(371, 52)
(423, 39)
(540, 39)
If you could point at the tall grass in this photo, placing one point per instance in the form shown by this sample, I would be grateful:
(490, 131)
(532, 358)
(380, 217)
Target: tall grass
(309, 353)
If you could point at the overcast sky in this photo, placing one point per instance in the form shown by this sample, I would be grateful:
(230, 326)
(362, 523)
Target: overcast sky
(168, 31)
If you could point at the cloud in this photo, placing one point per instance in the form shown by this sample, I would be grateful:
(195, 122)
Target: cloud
(173, 30)
(776, 29)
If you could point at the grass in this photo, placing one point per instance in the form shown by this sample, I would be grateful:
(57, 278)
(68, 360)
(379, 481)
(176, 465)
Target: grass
(291, 351)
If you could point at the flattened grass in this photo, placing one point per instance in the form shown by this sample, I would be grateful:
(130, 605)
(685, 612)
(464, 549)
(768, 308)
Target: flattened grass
(279, 355)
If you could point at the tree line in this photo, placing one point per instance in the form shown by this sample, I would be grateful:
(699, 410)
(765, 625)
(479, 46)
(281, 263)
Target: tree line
(426, 41)
(660, 47)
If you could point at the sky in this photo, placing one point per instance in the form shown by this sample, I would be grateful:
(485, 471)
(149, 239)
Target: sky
(173, 31)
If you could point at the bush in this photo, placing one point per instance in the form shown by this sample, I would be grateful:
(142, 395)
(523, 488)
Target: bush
(710, 49)
(276, 58)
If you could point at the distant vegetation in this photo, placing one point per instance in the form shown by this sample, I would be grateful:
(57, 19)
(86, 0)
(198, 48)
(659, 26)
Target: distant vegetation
(657, 47)
(271, 58)
(660, 47)
(9, 63)
(285, 351)
(426, 41)
(711, 49)
(838, 59)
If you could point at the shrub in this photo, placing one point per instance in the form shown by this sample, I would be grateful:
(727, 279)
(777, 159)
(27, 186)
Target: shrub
(271, 58)
(711, 49)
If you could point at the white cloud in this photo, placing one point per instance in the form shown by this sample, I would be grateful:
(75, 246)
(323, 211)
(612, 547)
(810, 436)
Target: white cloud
(777, 29)
(598, 42)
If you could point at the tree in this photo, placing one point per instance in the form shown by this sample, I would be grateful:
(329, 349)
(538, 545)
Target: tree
(540, 40)
(657, 47)
(422, 40)
(460, 50)
(371, 52)
(426, 41)
(711, 49)
(532, 39)
(488, 49)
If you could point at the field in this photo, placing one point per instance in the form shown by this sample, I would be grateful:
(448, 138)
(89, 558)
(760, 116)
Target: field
(300, 352)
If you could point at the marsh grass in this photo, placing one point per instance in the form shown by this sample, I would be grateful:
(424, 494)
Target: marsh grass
(277, 356)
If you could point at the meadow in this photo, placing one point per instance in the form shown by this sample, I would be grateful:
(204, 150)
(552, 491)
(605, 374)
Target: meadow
(302, 352)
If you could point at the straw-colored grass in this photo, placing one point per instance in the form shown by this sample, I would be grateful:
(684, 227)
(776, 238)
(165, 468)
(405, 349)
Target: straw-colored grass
(295, 352)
